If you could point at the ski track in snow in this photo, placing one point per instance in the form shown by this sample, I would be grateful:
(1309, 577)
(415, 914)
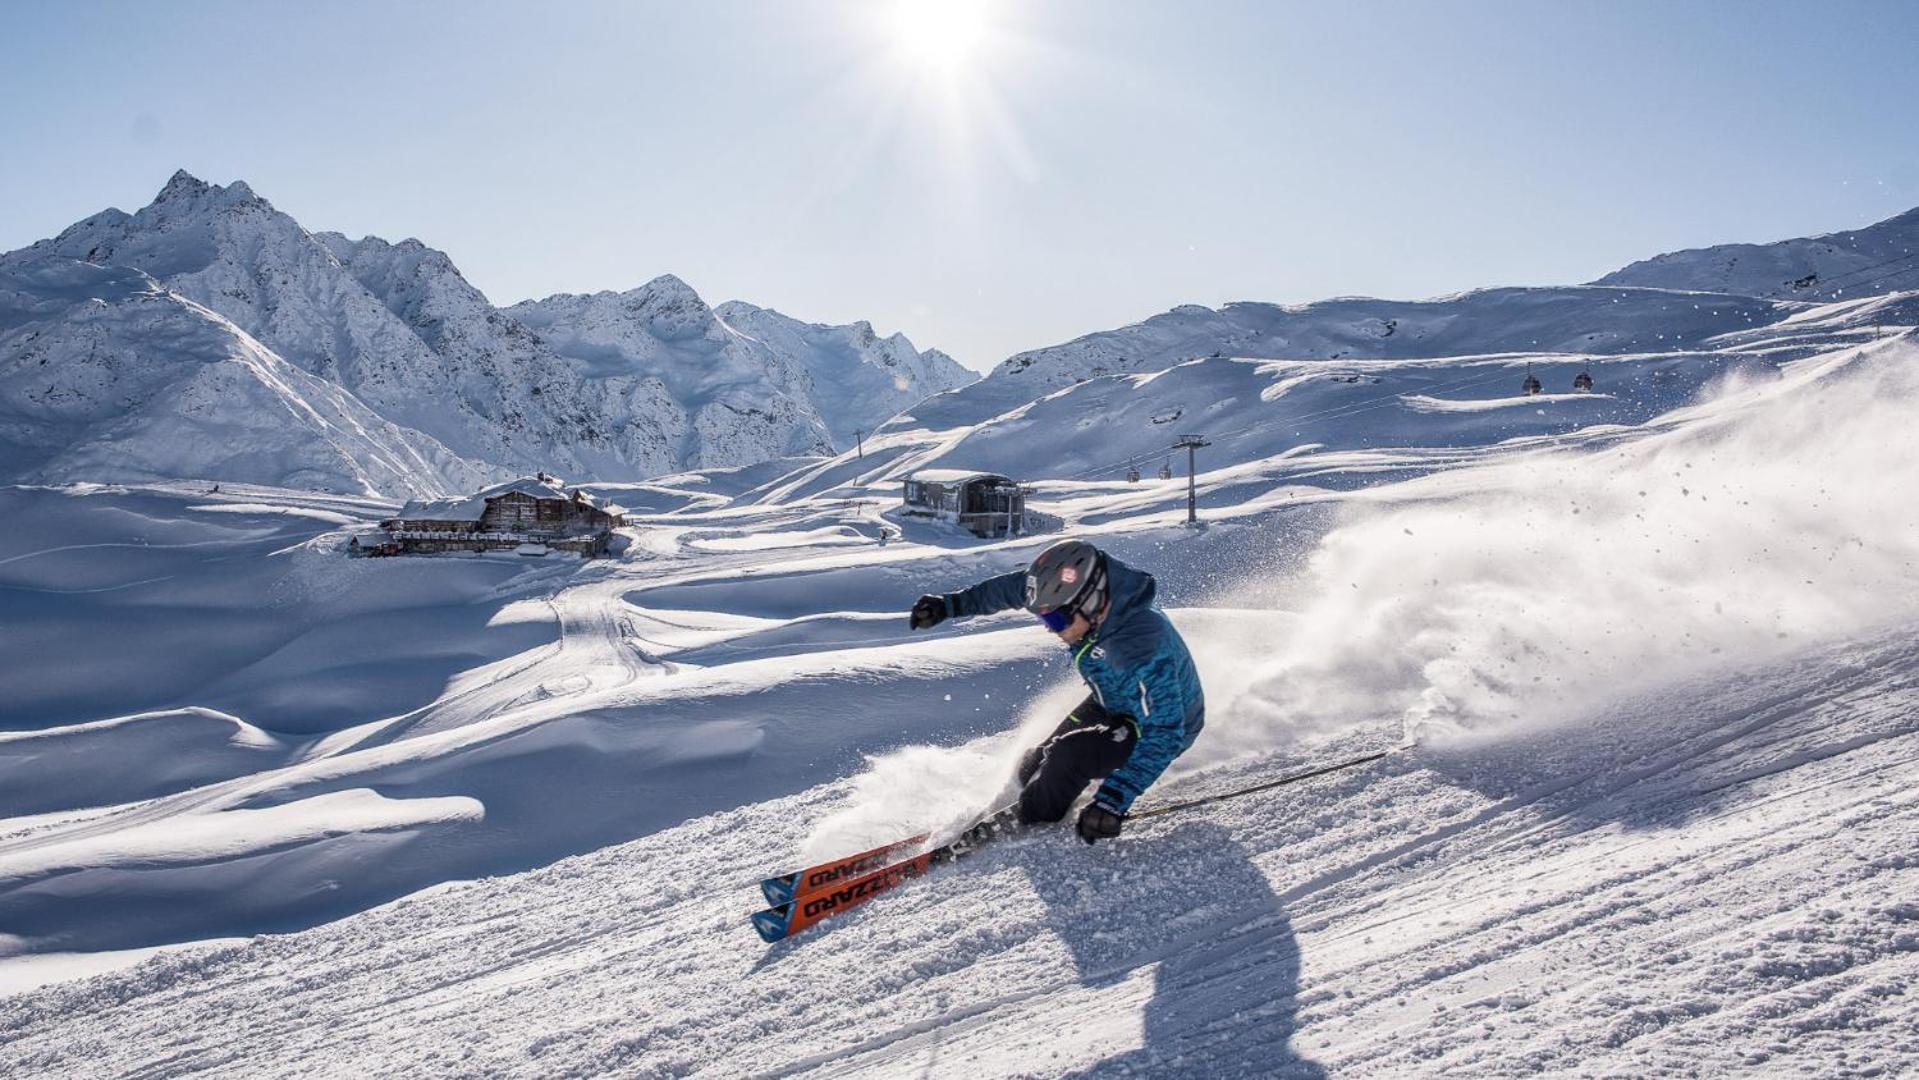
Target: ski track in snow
(1402, 919)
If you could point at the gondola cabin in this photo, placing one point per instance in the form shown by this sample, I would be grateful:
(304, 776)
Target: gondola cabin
(985, 504)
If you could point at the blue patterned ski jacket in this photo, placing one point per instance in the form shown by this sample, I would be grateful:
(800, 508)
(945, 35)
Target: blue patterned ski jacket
(1136, 664)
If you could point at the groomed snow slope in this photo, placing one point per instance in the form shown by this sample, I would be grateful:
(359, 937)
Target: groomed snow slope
(1623, 845)
(1715, 880)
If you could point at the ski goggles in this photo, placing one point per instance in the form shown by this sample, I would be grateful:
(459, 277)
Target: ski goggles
(1091, 599)
(1058, 619)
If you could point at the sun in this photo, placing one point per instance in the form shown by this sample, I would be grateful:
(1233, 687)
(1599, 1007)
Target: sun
(940, 33)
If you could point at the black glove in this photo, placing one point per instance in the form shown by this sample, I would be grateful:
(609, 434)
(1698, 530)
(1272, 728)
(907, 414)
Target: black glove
(929, 611)
(1098, 823)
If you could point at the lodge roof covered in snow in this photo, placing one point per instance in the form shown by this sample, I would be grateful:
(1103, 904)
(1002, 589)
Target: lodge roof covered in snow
(953, 476)
(473, 507)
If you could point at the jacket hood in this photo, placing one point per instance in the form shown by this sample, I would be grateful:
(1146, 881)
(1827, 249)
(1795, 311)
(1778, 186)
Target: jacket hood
(1130, 591)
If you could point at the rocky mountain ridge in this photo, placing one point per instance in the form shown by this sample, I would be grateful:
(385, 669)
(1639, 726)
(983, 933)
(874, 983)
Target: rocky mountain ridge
(397, 329)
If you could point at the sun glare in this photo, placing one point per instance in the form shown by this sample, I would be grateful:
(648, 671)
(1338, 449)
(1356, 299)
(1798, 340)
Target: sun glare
(940, 33)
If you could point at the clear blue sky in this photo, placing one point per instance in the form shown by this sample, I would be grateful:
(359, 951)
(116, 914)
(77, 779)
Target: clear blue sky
(1068, 166)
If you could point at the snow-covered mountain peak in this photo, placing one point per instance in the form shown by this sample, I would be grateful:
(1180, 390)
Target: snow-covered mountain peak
(182, 185)
(183, 231)
(671, 309)
(417, 256)
(105, 375)
(742, 402)
(860, 379)
(187, 193)
(394, 325)
(666, 286)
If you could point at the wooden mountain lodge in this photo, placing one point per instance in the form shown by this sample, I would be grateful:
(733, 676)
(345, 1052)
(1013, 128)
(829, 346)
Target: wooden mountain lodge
(531, 516)
(986, 504)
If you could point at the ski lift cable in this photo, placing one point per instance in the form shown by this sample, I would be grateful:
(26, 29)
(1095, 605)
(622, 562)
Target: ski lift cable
(1338, 412)
(1122, 463)
(1907, 257)
(1332, 412)
(1881, 279)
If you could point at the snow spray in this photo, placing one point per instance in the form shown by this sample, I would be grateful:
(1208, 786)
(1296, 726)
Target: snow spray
(1764, 520)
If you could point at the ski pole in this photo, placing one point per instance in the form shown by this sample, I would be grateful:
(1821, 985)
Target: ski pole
(1268, 786)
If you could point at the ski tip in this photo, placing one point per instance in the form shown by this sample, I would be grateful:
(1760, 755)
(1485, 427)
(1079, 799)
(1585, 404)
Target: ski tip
(779, 890)
(772, 923)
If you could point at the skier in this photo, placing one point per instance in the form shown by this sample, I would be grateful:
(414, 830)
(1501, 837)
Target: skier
(1146, 707)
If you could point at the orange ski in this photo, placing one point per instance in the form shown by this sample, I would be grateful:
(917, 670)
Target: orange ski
(783, 920)
(813, 879)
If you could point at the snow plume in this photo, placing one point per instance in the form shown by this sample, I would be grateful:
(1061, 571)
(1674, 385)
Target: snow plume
(937, 790)
(1761, 521)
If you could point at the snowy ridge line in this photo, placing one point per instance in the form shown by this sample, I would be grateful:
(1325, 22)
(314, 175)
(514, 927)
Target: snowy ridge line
(123, 544)
(399, 376)
(1830, 282)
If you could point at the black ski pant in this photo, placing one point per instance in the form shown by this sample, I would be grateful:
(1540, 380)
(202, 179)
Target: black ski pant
(1087, 746)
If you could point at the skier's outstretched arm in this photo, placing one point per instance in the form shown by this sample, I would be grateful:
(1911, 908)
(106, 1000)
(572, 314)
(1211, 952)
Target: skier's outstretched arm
(1002, 593)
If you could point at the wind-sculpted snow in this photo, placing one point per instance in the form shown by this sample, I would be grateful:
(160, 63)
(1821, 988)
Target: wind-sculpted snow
(129, 758)
(121, 600)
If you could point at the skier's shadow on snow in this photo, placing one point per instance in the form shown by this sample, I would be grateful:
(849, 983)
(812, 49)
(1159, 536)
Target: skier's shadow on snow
(1188, 899)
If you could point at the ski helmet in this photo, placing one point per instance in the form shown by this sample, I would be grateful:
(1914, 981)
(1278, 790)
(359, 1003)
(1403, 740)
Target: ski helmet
(1067, 579)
